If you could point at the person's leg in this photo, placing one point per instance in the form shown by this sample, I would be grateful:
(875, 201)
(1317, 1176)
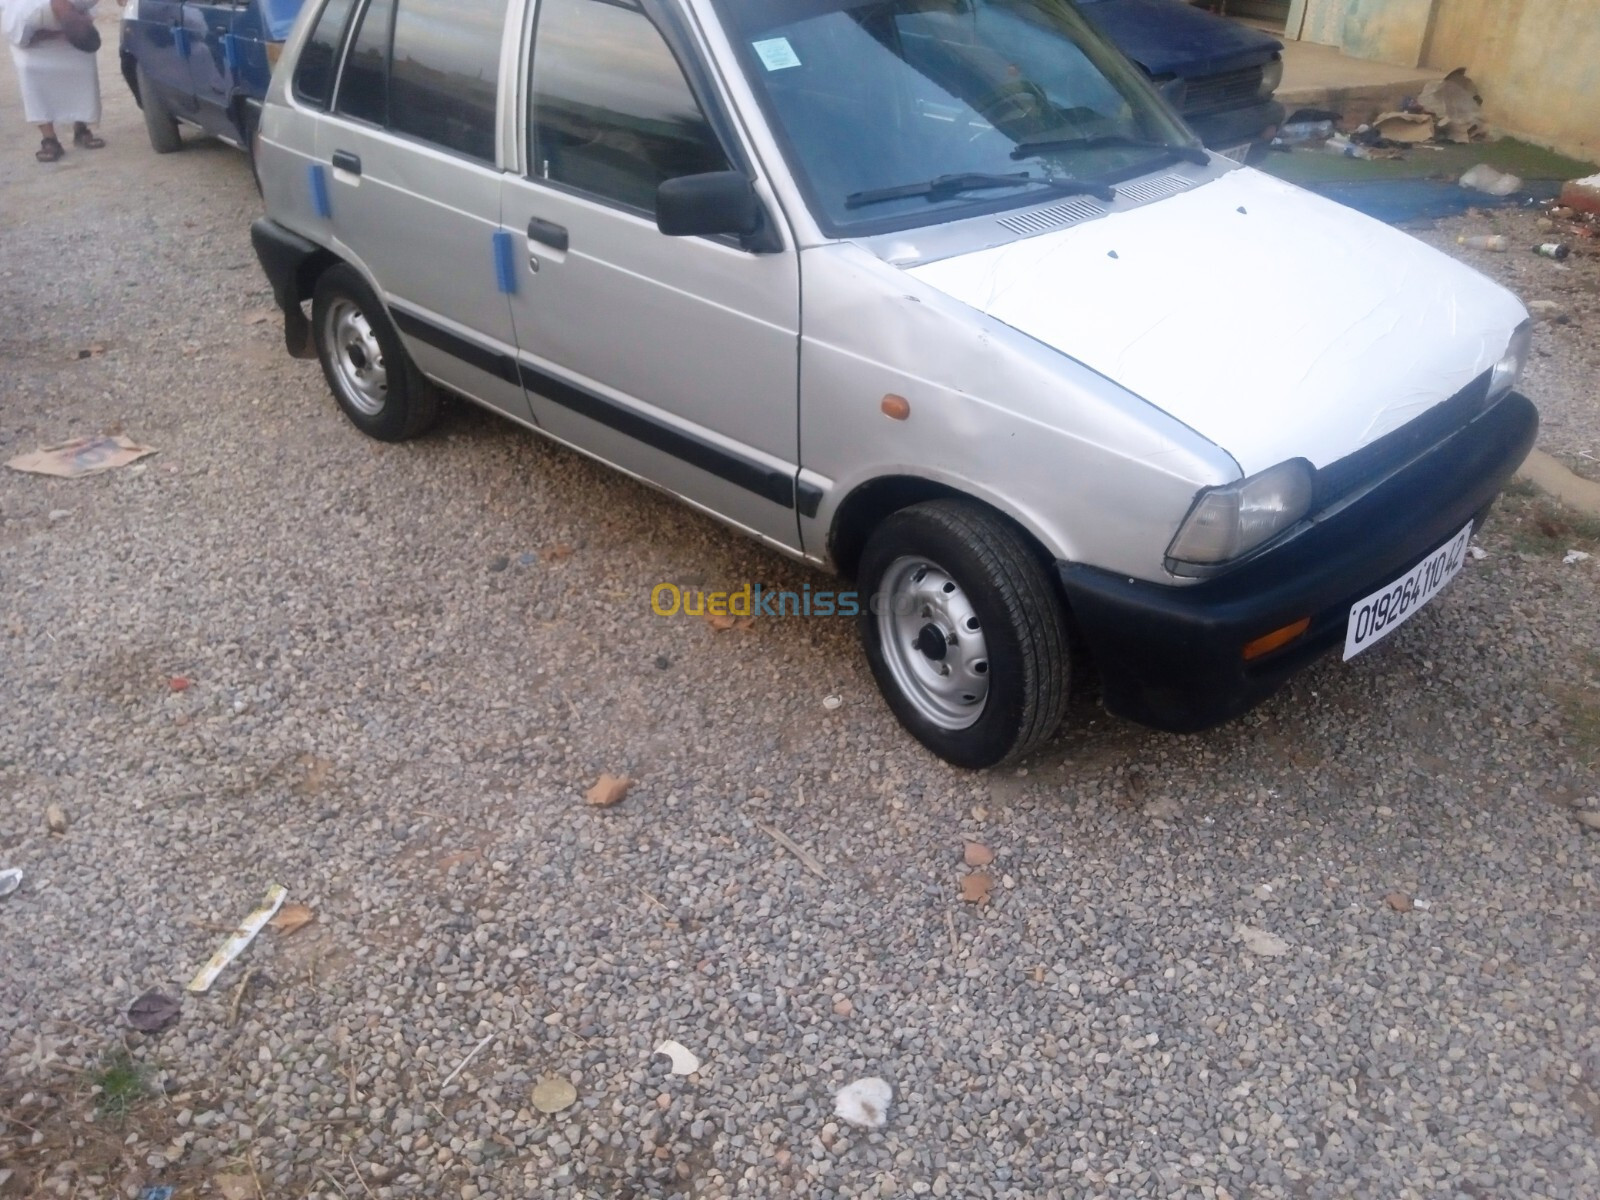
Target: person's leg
(49, 145)
(81, 136)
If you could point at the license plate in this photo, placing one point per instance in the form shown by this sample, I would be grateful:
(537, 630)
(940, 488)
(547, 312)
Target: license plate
(1237, 153)
(1380, 614)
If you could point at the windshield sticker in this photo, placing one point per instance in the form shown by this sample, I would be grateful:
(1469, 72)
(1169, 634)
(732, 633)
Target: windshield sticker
(776, 53)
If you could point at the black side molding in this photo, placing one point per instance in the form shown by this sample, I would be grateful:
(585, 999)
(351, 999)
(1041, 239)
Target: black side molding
(767, 482)
(753, 476)
(283, 254)
(474, 354)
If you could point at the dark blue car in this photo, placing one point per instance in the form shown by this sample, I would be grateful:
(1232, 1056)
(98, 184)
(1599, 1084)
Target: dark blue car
(206, 64)
(1219, 74)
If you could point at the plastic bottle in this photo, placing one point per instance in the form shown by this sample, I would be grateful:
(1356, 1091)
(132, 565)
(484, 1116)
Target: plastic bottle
(1555, 250)
(1498, 242)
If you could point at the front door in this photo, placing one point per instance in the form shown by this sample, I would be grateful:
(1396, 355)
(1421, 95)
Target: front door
(675, 359)
(410, 152)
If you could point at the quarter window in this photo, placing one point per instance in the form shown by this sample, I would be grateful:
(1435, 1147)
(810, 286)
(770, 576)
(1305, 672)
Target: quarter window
(363, 88)
(612, 112)
(319, 57)
(446, 73)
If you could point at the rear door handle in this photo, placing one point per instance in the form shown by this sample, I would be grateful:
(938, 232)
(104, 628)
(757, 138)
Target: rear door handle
(548, 233)
(343, 160)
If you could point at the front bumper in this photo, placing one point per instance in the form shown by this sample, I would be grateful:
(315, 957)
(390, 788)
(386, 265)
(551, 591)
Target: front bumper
(1236, 126)
(1172, 657)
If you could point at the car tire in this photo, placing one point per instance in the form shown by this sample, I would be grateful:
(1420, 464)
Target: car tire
(964, 632)
(159, 122)
(371, 375)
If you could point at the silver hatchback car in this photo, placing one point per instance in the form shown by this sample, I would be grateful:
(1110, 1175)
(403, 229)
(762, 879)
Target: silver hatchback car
(939, 294)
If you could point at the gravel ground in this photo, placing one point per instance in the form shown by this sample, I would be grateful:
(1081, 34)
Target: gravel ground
(405, 666)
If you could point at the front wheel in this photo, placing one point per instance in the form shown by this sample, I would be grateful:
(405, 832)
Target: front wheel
(964, 632)
(372, 376)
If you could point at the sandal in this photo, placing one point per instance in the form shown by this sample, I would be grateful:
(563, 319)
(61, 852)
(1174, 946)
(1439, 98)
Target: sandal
(49, 150)
(81, 136)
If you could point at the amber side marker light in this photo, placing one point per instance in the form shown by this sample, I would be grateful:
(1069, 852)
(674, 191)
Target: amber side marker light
(896, 407)
(1278, 637)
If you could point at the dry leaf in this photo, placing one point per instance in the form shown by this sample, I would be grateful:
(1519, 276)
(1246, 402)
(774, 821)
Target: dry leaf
(291, 917)
(721, 621)
(153, 1011)
(235, 1187)
(1259, 941)
(975, 888)
(260, 316)
(552, 1094)
(608, 789)
(179, 683)
(976, 854)
(1038, 974)
(1398, 901)
(55, 818)
(557, 552)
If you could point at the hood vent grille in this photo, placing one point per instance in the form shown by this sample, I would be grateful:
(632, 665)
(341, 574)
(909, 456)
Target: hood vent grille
(1054, 217)
(1143, 191)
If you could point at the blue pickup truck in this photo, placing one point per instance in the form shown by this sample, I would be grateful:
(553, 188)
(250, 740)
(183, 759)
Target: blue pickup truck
(207, 63)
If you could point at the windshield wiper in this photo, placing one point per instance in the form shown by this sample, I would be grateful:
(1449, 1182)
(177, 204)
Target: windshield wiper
(943, 187)
(1191, 154)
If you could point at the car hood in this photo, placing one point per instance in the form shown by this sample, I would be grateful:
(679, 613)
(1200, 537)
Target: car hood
(1271, 321)
(1168, 37)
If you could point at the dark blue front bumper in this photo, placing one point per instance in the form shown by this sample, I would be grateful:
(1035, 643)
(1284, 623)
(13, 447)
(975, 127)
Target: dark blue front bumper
(1172, 657)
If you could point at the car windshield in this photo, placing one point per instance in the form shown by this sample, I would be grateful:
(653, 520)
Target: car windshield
(897, 113)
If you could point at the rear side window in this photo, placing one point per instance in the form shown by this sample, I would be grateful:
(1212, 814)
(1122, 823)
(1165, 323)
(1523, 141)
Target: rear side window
(319, 57)
(446, 73)
(612, 112)
(363, 88)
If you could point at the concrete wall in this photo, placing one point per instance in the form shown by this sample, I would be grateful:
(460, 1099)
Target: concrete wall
(1388, 31)
(1536, 62)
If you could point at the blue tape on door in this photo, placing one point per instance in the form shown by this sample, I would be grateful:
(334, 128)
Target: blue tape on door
(320, 203)
(180, 40)
(505, 262)
(230, 52)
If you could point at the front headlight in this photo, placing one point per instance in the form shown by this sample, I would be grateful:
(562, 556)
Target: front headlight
(1271, 77)
(1509, 369)
(1230, 521)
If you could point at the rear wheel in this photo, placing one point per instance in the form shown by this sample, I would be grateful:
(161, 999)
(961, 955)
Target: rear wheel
(372, 376)
(159, 122)
(964, 633)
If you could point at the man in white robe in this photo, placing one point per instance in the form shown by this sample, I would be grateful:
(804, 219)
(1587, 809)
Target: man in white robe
(59, 81)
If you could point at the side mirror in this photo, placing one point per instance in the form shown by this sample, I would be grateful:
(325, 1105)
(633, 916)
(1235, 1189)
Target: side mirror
(719, 202)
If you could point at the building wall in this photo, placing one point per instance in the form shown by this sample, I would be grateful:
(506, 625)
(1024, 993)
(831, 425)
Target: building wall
(1536, 62)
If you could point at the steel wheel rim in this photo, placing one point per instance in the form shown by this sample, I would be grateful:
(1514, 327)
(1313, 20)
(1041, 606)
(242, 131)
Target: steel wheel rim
(933, 643)
(357, 357)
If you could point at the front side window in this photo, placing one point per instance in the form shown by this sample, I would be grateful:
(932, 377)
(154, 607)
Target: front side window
(364, 86)
(319, 57)
(904, 112)
(446, 73)
(612, 114)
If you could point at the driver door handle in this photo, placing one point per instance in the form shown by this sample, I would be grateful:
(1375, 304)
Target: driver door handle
(548, 233)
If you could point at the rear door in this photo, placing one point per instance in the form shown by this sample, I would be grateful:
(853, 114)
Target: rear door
(675, 358)
(409, 151)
